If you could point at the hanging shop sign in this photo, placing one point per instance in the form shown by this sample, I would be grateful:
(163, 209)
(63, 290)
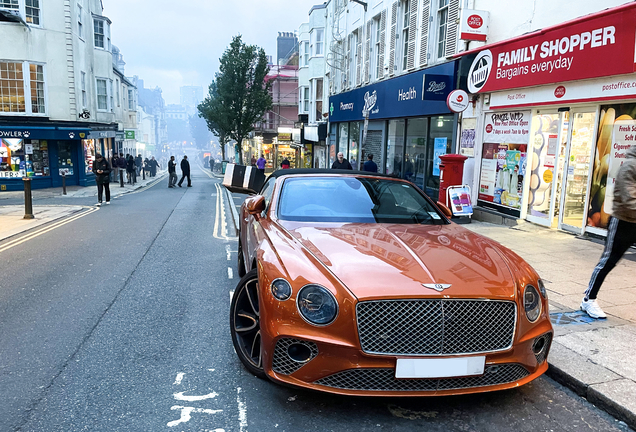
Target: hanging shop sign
(457, 101)
(416, 94)
(474, 25)
(129, 134)
(588, 47)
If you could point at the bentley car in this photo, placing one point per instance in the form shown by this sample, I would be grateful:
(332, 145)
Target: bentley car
(359, 284)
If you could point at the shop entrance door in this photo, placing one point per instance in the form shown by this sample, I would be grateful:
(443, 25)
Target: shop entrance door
(576, 170)
(67, 162)
(548, 142)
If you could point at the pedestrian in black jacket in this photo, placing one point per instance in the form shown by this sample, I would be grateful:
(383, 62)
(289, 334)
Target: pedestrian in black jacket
(138, 164)
(341, 163)
(153, 166)
(185, 171)
(101, 168)
(172, 172)
(369, 165)
(131, 170)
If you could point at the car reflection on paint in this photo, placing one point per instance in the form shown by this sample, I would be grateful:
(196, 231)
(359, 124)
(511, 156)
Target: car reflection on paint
(359, 284)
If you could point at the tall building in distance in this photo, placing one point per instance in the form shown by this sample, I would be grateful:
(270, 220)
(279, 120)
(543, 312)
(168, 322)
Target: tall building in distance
(286, 46)
(191, 97)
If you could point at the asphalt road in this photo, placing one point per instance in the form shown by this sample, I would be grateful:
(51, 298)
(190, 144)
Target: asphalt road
(118, 321)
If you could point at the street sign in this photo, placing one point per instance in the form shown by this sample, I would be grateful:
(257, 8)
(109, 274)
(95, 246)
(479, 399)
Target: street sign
(129, 134)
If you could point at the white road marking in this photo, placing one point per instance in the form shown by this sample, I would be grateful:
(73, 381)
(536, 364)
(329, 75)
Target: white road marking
(182, 397)
(211, 370)
(229, 252)
(186, 414)
(242, 411)
(230, 273)
(179, 378)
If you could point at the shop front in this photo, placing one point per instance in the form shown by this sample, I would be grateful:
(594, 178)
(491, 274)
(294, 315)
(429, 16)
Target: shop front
(43, 154)
(559, 119)
(403, 122)
(315, 149)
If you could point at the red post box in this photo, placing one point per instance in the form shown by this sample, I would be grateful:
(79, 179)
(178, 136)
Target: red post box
(451, 173)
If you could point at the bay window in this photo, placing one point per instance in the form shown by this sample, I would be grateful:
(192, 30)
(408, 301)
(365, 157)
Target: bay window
(101, 33)
(17, 80)
(317, 37)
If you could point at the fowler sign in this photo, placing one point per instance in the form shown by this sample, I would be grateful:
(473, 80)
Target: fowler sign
(588, 47)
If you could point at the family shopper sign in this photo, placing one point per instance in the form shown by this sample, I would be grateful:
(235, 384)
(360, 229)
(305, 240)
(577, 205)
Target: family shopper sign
(588, 47)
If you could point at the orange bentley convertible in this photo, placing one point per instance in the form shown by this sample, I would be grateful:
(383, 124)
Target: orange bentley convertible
(358, 284)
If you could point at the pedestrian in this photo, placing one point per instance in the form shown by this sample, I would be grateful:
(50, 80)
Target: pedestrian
(114, 161)
(284, 164)
(212, 164)
(172, 172)
(341, 163)
(153, 166)
(131, 170)
(369, 165)
(185, 171)
(253, 161)
(121, 164)
(147, 166)
(101, 168)
(621, 233)
(138, 164)
(260, 163)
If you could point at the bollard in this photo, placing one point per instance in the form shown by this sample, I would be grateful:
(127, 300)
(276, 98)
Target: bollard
(121, 177)
(143, 170)
(28, 199)
(63, 184)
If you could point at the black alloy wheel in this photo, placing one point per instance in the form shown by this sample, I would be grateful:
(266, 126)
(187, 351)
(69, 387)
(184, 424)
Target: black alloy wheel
(241, 260)
(245, 324)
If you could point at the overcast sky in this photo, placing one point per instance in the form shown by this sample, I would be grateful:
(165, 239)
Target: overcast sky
(179, 42)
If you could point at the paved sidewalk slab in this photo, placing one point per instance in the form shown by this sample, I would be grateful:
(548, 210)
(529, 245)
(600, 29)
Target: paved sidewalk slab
(593, 357)
(12, 220)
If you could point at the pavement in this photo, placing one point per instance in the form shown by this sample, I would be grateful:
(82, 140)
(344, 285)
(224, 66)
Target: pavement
(12, 220)
(592, 357)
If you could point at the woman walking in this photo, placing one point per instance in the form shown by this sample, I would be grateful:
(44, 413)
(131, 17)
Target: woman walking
(131, 170)
(101, 168)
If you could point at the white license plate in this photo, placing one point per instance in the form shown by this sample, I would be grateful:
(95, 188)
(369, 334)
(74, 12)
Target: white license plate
(440, 368)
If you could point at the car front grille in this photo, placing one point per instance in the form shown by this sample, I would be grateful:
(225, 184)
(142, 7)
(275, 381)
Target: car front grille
(384, 379)
(435, 326)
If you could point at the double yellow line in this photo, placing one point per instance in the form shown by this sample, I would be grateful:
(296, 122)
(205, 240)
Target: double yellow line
(45, 229)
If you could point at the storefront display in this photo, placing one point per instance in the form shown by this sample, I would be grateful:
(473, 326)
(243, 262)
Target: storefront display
(89, 155)
(504, 158)
(20, 158)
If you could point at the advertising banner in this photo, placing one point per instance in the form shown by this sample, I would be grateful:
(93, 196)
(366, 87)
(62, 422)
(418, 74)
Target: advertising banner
(459, 199)
(509, 127)
(589, 47)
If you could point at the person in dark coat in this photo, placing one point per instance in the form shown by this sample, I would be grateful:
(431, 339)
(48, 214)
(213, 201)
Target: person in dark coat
(101, 168)
(285, 164)
(153, 166)
(114, 163)
(172, 172)
(341, 163)
(138, 164)
(185, 171)
(131, 170)
(121, 164)
(147, 166)
(369, 165)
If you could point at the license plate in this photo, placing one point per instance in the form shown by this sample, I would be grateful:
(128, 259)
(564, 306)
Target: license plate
(440, 368)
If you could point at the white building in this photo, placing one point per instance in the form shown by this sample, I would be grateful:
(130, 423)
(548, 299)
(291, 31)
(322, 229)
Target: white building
(59, 93)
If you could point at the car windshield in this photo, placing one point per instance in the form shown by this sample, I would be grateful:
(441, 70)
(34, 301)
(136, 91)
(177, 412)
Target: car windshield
(354, 200)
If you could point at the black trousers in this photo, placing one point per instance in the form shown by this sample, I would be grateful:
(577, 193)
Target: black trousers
(620, 236)
(183, 176)
(100, 191)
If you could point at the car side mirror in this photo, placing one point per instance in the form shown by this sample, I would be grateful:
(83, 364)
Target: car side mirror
(447, 212)
(255, 205)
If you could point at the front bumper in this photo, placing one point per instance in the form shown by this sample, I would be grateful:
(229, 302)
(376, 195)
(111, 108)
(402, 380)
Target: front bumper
(335, 367)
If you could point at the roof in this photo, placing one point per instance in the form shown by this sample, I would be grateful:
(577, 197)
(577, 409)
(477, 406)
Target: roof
(311, 171)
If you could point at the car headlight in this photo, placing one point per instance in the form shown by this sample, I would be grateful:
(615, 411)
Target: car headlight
(532, 303)
(544, 292)
(317, 305)
(281, 289)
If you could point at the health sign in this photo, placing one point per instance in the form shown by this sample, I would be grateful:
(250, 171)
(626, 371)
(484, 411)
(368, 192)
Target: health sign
(588, 47)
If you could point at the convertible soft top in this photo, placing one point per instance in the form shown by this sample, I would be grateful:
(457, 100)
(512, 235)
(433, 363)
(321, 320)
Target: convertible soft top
(307, 171)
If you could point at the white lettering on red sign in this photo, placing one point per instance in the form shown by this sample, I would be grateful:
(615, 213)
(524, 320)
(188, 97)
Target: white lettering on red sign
(475, 21)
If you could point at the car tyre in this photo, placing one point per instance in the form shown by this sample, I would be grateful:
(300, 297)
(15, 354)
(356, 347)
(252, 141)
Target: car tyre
(241, 260)
(245, 324)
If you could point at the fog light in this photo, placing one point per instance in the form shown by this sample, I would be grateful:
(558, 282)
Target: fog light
(299, 352)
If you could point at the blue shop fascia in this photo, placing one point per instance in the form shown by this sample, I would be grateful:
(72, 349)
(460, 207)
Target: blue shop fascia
(45, 152)
(409, 124)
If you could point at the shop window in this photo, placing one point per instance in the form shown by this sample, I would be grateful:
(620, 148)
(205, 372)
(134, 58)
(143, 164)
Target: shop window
(89, 155)
(439, 143)
(19, 158)
(395, 147)
(343, 139)
(354, 144)
(415, 157)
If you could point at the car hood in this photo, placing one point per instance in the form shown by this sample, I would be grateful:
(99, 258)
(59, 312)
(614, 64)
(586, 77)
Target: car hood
(393, 261)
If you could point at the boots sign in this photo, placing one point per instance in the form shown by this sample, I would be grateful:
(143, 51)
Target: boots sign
(589, 47)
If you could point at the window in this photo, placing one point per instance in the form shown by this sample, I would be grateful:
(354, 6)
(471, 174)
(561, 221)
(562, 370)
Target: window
(12, 88)
(442, 22)
(306, 53)
(317, 40)
(377, 66)
(353, 60)
(15, 164)
(17, 80)
(131, 100)
(32, 10)
(99, 33)
(318, 96)
(38, 105)
(102, 95)
(110, 94)
(305, 99)
(84, 104)
(117, 92)
(80, 24)
(405, 33)
(9, 4)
